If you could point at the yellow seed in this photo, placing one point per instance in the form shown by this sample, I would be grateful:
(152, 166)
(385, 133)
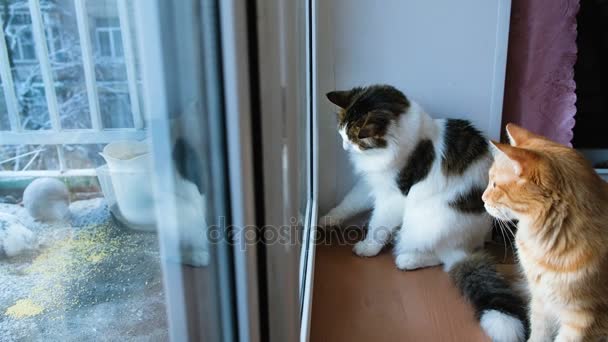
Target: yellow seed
(24, 308)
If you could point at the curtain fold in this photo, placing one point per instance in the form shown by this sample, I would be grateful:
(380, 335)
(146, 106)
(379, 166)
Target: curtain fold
(539, 88)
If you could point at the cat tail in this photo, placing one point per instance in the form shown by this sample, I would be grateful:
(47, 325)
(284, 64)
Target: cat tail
(501, 310)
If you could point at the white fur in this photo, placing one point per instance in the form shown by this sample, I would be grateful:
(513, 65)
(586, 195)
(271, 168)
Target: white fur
(501, 327)
(192, 230)
(451, 257)
(416, 259)
(432, 232)
(15, 238)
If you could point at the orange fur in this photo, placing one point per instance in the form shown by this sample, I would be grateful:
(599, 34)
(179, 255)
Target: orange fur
(562, 239)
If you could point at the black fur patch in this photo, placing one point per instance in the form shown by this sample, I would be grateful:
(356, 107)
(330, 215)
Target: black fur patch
(382, 98)
(187, 163)
(417, 167)
(368, 112)
(480, 283)
(469, 202)
(464, 144)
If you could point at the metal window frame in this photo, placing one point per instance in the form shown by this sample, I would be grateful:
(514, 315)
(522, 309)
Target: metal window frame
(289, 268)
(169, 88)
(236, 77)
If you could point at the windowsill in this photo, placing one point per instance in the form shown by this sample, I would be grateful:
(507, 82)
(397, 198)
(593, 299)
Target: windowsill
(365, 299)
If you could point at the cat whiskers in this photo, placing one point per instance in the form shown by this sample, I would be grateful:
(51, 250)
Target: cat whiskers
(504, 257)
(508, 223)
(504, 226)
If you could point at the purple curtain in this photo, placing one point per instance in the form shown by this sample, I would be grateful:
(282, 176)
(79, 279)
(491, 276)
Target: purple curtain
(539, 89)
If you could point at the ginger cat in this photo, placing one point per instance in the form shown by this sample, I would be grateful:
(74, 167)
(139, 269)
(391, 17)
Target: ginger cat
(562, 237)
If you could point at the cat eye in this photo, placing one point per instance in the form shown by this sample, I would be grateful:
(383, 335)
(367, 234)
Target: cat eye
(493, 184)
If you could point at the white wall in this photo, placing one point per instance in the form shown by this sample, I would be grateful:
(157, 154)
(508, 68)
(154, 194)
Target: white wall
(448, 55)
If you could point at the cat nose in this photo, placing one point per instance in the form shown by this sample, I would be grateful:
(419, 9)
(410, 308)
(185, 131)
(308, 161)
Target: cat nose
(484, 197)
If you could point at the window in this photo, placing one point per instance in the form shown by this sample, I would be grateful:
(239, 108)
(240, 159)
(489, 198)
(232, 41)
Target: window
(149, 240)
(53, 36)
(109, 39)
(93, 270)
(19, 33)
(19, 27)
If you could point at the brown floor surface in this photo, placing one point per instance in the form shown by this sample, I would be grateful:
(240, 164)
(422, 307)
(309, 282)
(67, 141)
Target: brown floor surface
(369, 299)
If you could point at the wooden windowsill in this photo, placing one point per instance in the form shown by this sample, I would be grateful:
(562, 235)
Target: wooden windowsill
(369, 299)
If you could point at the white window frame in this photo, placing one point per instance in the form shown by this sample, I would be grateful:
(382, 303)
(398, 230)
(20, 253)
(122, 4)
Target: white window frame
(58, 136)
(17, 39)
(110, 30)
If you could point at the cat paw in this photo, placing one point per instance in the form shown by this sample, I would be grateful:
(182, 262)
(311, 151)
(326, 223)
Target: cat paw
(329, 221)
(413, 261)
(367, 248)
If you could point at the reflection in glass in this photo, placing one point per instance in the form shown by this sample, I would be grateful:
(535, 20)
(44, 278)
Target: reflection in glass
(5, 124)
(65, 56)
(92, 274)
(110, 64)
(29, 89)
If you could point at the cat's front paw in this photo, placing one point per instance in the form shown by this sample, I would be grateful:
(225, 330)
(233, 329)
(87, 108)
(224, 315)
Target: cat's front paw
(367, 248)
(329, 221)
(406, 262)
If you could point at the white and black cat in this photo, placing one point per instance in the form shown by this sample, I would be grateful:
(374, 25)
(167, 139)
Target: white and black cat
(424, 179)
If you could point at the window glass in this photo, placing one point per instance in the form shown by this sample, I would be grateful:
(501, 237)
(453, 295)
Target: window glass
(28, 157)
(25, 70)
(89, 204)
(110, 66)
(5, 124)
(117, 44)
(87, 263)
(103, 42)
(66, 62)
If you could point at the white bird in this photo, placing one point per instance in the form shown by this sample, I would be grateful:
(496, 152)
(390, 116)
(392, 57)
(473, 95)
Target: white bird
(47, 199)
(15, 238)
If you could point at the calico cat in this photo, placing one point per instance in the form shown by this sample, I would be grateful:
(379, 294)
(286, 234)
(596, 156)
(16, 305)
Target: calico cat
(425, 177)
(562, 208)
(191, 207)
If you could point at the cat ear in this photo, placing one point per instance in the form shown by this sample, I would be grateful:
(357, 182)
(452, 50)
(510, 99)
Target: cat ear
(523, 160)
(518, 135)
(340, 98)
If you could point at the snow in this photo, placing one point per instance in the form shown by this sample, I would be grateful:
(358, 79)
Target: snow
(91, 279)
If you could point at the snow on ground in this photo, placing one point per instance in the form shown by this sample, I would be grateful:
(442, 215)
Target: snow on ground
(91, 279)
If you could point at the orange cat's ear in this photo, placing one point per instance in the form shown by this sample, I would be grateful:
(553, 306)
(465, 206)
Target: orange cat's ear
(518, 135)
(523, 160)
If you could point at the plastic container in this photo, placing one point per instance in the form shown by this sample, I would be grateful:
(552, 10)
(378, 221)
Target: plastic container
(129, 169)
